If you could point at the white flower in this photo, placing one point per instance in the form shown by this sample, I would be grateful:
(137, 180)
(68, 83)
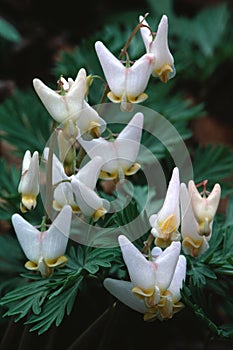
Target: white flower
(166, 222)
(154, 286)
(204, 208)
(69, 106)
(78, 190)
(29, 182)
(118, 156)
(44, 249)
(126, 84)
(193, 243)
(164, 62)
(66, 103)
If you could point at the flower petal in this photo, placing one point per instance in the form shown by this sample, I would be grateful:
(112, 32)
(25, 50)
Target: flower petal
(87, 117)
(105, 149)
(160, 47)
(87, 199)
(165, 265)
(58, 172)
(29, 182)
(141, 271)
(113, 69)
(55, 240)
(178, 278)
(204, 207)
(89, 173)
(145, 33)
(122, 290)
(63, 195)
(128, 141)
(189, 225)
(171, 202)
(28, 236)
(138, 75)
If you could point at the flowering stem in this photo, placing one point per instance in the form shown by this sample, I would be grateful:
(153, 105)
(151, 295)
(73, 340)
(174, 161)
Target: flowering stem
(147, 244)
(125, 48)
(49, 174)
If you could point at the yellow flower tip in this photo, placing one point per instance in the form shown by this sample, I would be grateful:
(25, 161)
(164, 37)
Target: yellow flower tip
(164, 72)
(193, 246)
(133, 169)
(58, 207)
(168, 226)
(94, 129)
(105, 175)
(142, 293)
(204, 228)
(33, 266)
(28, 202)
(60, 261)
(114, 98)
(137, 99)
(162, 243)
(99, 213)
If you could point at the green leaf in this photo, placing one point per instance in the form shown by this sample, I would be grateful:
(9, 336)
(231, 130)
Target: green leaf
(9, 32)
(24, 122)
(213, 162)
(54, 310)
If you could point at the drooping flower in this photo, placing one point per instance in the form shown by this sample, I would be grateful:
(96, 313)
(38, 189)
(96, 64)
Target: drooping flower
(68, 105)
(154, 286)
(126, 83)
(118, 156)
(204, 207)
(29, 181)
(44, 249)
(164, 62)
(66, 102)
(193, 243)
(166, 222)
(78, 190)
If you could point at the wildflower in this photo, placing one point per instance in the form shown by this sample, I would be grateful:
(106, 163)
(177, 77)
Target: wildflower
(126, 83)
(163, 67)
(166, 222)
(204, 208)
(193, 243)
(44, 249)
(154, 286)
(68, 105)
(66, 102)
(119, 155)
(78, 190)
(29, 182)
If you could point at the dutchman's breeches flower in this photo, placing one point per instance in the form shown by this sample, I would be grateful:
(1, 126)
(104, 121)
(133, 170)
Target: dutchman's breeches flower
(29, 182)
(193, 243)
(44, 249)
(78, 190)
(166, 222)
(204, 207)
(163, 67)
(67, 105)
(118, 156)
(126, 83)
(154, 286)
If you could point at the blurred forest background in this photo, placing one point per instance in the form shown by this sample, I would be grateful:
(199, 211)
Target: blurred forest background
(47, 38)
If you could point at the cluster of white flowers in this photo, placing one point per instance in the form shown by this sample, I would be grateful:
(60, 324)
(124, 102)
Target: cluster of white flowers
(156, 280)
(186, 208)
